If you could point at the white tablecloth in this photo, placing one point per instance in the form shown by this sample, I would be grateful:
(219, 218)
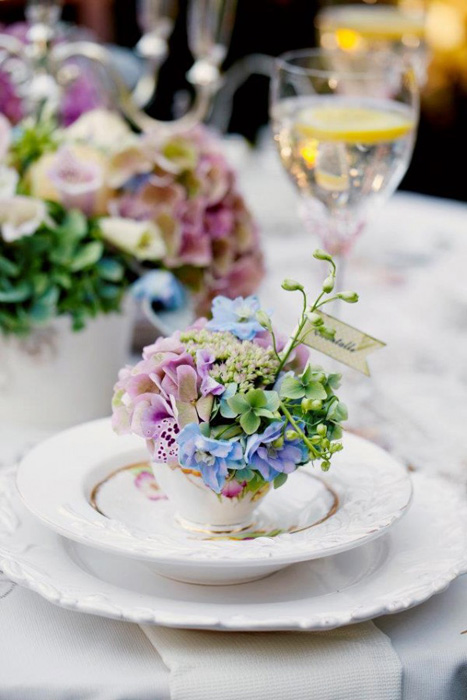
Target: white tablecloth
(409, 268)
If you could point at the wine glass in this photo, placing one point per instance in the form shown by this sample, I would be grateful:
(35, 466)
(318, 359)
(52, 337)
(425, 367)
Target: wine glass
(345, 126)
(398, 27)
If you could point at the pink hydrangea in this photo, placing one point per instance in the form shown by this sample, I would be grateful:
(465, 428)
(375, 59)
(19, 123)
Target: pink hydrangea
(191, 194)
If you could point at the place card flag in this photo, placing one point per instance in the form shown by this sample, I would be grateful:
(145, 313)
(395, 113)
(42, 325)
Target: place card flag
(349, 345)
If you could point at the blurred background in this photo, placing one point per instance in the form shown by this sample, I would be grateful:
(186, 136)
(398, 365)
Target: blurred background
(270, 27)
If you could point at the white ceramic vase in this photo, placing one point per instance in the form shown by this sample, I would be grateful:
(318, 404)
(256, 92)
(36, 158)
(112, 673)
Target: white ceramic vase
(55, 377)
(199, 508)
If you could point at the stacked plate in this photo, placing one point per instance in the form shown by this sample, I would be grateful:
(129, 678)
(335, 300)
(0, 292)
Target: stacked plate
(84, 524)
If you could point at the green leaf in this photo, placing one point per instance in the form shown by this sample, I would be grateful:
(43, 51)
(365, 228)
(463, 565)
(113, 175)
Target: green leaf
(40, 313)
(244, 474)
(256, 398)
(265, 413)
(87, 256)
(334, 380)
(291, 388)
(238, 404)
(17, 294)
(335, 432)
(272, 400)
(226, 411)
(8, 268)
(315, 390)
(50, 297)
(75, 224)
(110, 270)
(205, 429)
(40, 283)
(108, 291)
(280, 480)
(250, 422)
(62, 279)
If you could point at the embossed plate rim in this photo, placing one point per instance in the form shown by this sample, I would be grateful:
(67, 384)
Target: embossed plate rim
(371, 505)
(37, 558)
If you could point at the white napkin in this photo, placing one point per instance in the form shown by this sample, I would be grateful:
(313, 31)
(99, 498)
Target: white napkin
(350, 663)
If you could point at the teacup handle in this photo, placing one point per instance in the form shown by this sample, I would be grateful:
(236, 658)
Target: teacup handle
(167, 322)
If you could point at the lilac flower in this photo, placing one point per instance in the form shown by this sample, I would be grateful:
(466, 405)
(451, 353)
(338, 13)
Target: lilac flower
(83, 95)
(212, 457)
(204, 361)
(171, 345)
(10, 102)
(149, 411)
(235, 315)
(270, 456)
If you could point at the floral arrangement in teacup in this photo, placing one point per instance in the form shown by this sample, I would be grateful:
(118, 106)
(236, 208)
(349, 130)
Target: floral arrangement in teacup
(87, 210)
(229, 406)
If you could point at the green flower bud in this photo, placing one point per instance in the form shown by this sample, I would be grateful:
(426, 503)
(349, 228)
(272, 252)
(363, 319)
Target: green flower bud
(291, 285)
(336, 447)
(314, 319)
(291, 435)
(328, 284)
(325, 465)
(321, 429)
(315, 440)
(316, 405)
(349, 297)
(307, 405)
(322, 255)
(278, 443)
(263, 319)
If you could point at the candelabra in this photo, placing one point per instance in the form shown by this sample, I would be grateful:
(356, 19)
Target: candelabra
(41, 67)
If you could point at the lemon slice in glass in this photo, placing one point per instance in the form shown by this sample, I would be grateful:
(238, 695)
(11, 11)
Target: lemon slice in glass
(367, 125)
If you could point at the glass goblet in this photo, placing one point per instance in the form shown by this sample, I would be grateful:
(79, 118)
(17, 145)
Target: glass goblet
(344, 125)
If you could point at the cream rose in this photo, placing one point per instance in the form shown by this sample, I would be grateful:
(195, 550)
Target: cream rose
(20, 216)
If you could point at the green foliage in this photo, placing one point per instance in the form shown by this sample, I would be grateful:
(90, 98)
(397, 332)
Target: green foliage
(251, 407)
(31, 141)
(62, 269)
(308, 385)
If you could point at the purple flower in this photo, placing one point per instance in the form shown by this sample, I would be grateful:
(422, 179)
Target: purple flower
(212, 457)
(270, 455)
(204, 362)
(82, 96)
(148, 413)
(235, 315)
(10, 102)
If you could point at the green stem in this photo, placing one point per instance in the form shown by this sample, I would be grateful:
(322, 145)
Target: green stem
(297, 429)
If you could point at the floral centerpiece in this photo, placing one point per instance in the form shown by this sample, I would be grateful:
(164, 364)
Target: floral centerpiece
(229, 406)
(89, 210)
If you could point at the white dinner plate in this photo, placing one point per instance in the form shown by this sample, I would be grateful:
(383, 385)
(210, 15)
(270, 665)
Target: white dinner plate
(417, 558)
(81, 483)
